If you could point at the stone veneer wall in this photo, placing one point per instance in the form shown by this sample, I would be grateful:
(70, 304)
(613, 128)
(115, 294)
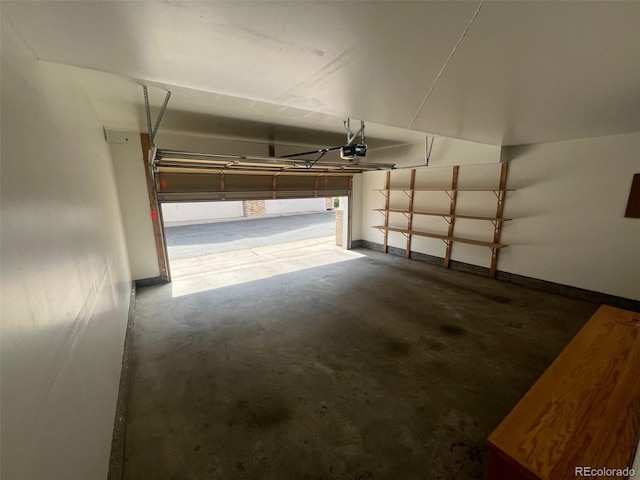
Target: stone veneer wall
(339, 226)
(253, 208)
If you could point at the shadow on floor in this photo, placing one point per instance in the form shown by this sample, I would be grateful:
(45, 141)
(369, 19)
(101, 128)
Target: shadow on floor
(367, 366)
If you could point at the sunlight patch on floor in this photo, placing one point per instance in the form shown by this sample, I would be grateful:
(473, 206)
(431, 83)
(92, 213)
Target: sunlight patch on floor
(209, 272)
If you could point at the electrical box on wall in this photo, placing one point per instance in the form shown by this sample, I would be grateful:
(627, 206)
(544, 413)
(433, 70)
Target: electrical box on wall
(116, 138)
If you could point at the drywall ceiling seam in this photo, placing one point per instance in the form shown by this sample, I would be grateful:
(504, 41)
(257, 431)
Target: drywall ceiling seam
(464, 33)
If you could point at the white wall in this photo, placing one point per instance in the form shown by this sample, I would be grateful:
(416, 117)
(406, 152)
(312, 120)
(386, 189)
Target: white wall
(445, 153)
(126, 152)
(194, 213)
(299, 205)
(132, 188)
(65, 278)
(569, 208)
(207, 212)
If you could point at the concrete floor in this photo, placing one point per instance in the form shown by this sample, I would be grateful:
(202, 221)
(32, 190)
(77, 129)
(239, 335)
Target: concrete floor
(322, 363)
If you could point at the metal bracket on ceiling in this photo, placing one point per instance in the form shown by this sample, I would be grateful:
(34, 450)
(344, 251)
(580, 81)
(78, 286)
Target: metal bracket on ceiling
(152, 131)
(352, 136)
(353, 152)
(427, 149)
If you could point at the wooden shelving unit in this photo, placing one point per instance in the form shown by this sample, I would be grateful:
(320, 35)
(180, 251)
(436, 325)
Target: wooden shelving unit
(440, 214)
(396, 189)
(450, 217)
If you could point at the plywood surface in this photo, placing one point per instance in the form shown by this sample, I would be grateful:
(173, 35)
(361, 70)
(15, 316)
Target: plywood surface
(585, 409)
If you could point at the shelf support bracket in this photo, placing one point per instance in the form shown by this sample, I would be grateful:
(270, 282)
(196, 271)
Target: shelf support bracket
(223, 196)
(497, 227)
(494, 262)
(409, 214)
(385, 246)
(453, 196)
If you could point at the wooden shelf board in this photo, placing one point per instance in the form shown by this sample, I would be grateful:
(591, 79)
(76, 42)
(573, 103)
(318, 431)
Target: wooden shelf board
(437, 214)
(441, 237)
(439, 189)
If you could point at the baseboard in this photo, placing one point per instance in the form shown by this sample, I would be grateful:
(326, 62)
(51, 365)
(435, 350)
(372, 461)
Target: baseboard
(116, 459)
(145, 282)
(569, 291)
(529, 282)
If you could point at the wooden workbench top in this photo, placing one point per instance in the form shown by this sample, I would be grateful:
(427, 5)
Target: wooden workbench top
(585, 409)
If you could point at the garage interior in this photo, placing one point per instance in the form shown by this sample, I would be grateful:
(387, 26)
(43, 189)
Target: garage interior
(491, 233)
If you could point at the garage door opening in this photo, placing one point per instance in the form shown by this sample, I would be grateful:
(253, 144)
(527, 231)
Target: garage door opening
(187, 177)
(205, 238)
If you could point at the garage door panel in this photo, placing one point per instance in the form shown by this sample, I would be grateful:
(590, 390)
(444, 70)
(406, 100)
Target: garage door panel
(179, 187)
(295, 183)
(338, 183)
(175, 183)
(240, 183)
(188, 176)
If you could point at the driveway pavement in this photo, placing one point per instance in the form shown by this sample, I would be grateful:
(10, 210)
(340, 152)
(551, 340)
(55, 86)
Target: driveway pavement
(189, 241)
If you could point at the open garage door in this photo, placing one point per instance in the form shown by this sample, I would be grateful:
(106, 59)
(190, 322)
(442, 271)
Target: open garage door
(181, 186)
(175, 176)
(188, 177)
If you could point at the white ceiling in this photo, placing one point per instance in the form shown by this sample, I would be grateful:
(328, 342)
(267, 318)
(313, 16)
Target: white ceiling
(526, 72)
